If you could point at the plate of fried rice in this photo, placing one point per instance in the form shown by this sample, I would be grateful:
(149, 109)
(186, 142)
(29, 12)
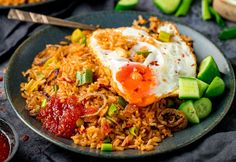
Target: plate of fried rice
(99, 93)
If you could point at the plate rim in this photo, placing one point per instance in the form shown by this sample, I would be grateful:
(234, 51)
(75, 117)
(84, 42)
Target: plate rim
(97, 154)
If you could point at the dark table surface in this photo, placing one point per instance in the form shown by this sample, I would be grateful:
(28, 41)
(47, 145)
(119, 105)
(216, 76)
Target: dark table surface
(218, 145)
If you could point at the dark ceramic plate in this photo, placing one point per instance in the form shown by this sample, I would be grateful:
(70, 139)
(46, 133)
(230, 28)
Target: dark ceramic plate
(24, 6)
(24, 55)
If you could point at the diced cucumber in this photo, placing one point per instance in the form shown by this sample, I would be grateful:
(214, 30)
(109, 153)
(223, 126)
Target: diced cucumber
(188, 109)
(126, 5)
(202, 87)
(216, 88)
(167, 6)
(202, 107)
(208, 70)
(188, 88)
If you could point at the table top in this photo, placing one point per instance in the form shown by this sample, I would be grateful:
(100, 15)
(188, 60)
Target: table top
(35, 148)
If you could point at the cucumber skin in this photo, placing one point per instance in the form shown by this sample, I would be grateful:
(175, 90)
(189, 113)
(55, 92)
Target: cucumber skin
(183, 107)
(164, 10)
(121, 7)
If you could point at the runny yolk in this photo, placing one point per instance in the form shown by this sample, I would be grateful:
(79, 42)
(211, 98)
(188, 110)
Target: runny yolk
(137, 81)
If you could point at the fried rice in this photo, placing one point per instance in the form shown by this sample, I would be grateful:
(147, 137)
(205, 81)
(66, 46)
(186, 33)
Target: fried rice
(17, 2)
(55, 68)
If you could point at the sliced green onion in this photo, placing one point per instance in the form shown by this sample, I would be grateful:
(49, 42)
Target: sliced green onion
(122, 101)
(79, 123)
(228, 33)
(218, 19)
(44, 103)
(206, 15)
(183, 8)
(55, 88)
(77, 36)
(40, 76)
(111, 120)
(84, 77)
(144, 53)
(107, 140)
(164, 36)
(133, 130)
(112, 110)
(106, 147)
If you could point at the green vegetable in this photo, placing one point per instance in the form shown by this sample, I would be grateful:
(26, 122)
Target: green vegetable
(188, 109)
(206, 15)
(44, 103)
(133, 130)
(84, 77)
(170, 103)
(228, 33)
(188, 88)
(208, 69)
(167, 6)
(202, 87)
(79, 123)
(202, 107)
(55, 88)
(112, 110)
(77, 36)
(106, 147)
(144, 53)
(126, 5)
(122, 101)
(218, 19)
(164, 36)
(40, 76)
(216, 88)
(183, 8)
(107, 140)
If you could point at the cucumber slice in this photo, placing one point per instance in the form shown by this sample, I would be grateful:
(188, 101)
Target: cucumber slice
(188, 88)
(216, 88)
(208, 70)
(167, 6)
(126, 5)
(202, 87)
(203, 107)
(188, 109)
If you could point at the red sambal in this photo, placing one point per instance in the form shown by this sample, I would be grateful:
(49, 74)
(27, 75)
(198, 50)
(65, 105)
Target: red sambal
(60, 117)
(4, 147)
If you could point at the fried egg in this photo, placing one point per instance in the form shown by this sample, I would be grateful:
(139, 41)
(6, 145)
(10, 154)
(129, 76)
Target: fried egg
(143, 80)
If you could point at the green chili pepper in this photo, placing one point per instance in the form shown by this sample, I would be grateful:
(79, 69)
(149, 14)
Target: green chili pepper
(218, 19)
(228, 33)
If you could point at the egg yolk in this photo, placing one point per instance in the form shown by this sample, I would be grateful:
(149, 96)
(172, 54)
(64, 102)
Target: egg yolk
(137, 81)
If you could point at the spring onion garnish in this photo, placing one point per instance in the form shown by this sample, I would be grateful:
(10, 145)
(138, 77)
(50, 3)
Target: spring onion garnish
(84, 77)
(122, 101)
(78, 37)
(183, 8)
(144, 53)
(44, 103)
(79, 123)
(55, 88)
(133, 130)
(106, 147)
(164, 36)
(206, 15)
(228, 33)
(112, 110)
(40, 76)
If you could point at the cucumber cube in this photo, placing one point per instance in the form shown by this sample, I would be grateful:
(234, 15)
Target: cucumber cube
(188, 88)
(208, 70)
(202, 87)
(216, 88)
(188, 109)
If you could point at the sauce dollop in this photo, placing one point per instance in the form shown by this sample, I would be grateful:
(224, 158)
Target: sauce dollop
(4, 147)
